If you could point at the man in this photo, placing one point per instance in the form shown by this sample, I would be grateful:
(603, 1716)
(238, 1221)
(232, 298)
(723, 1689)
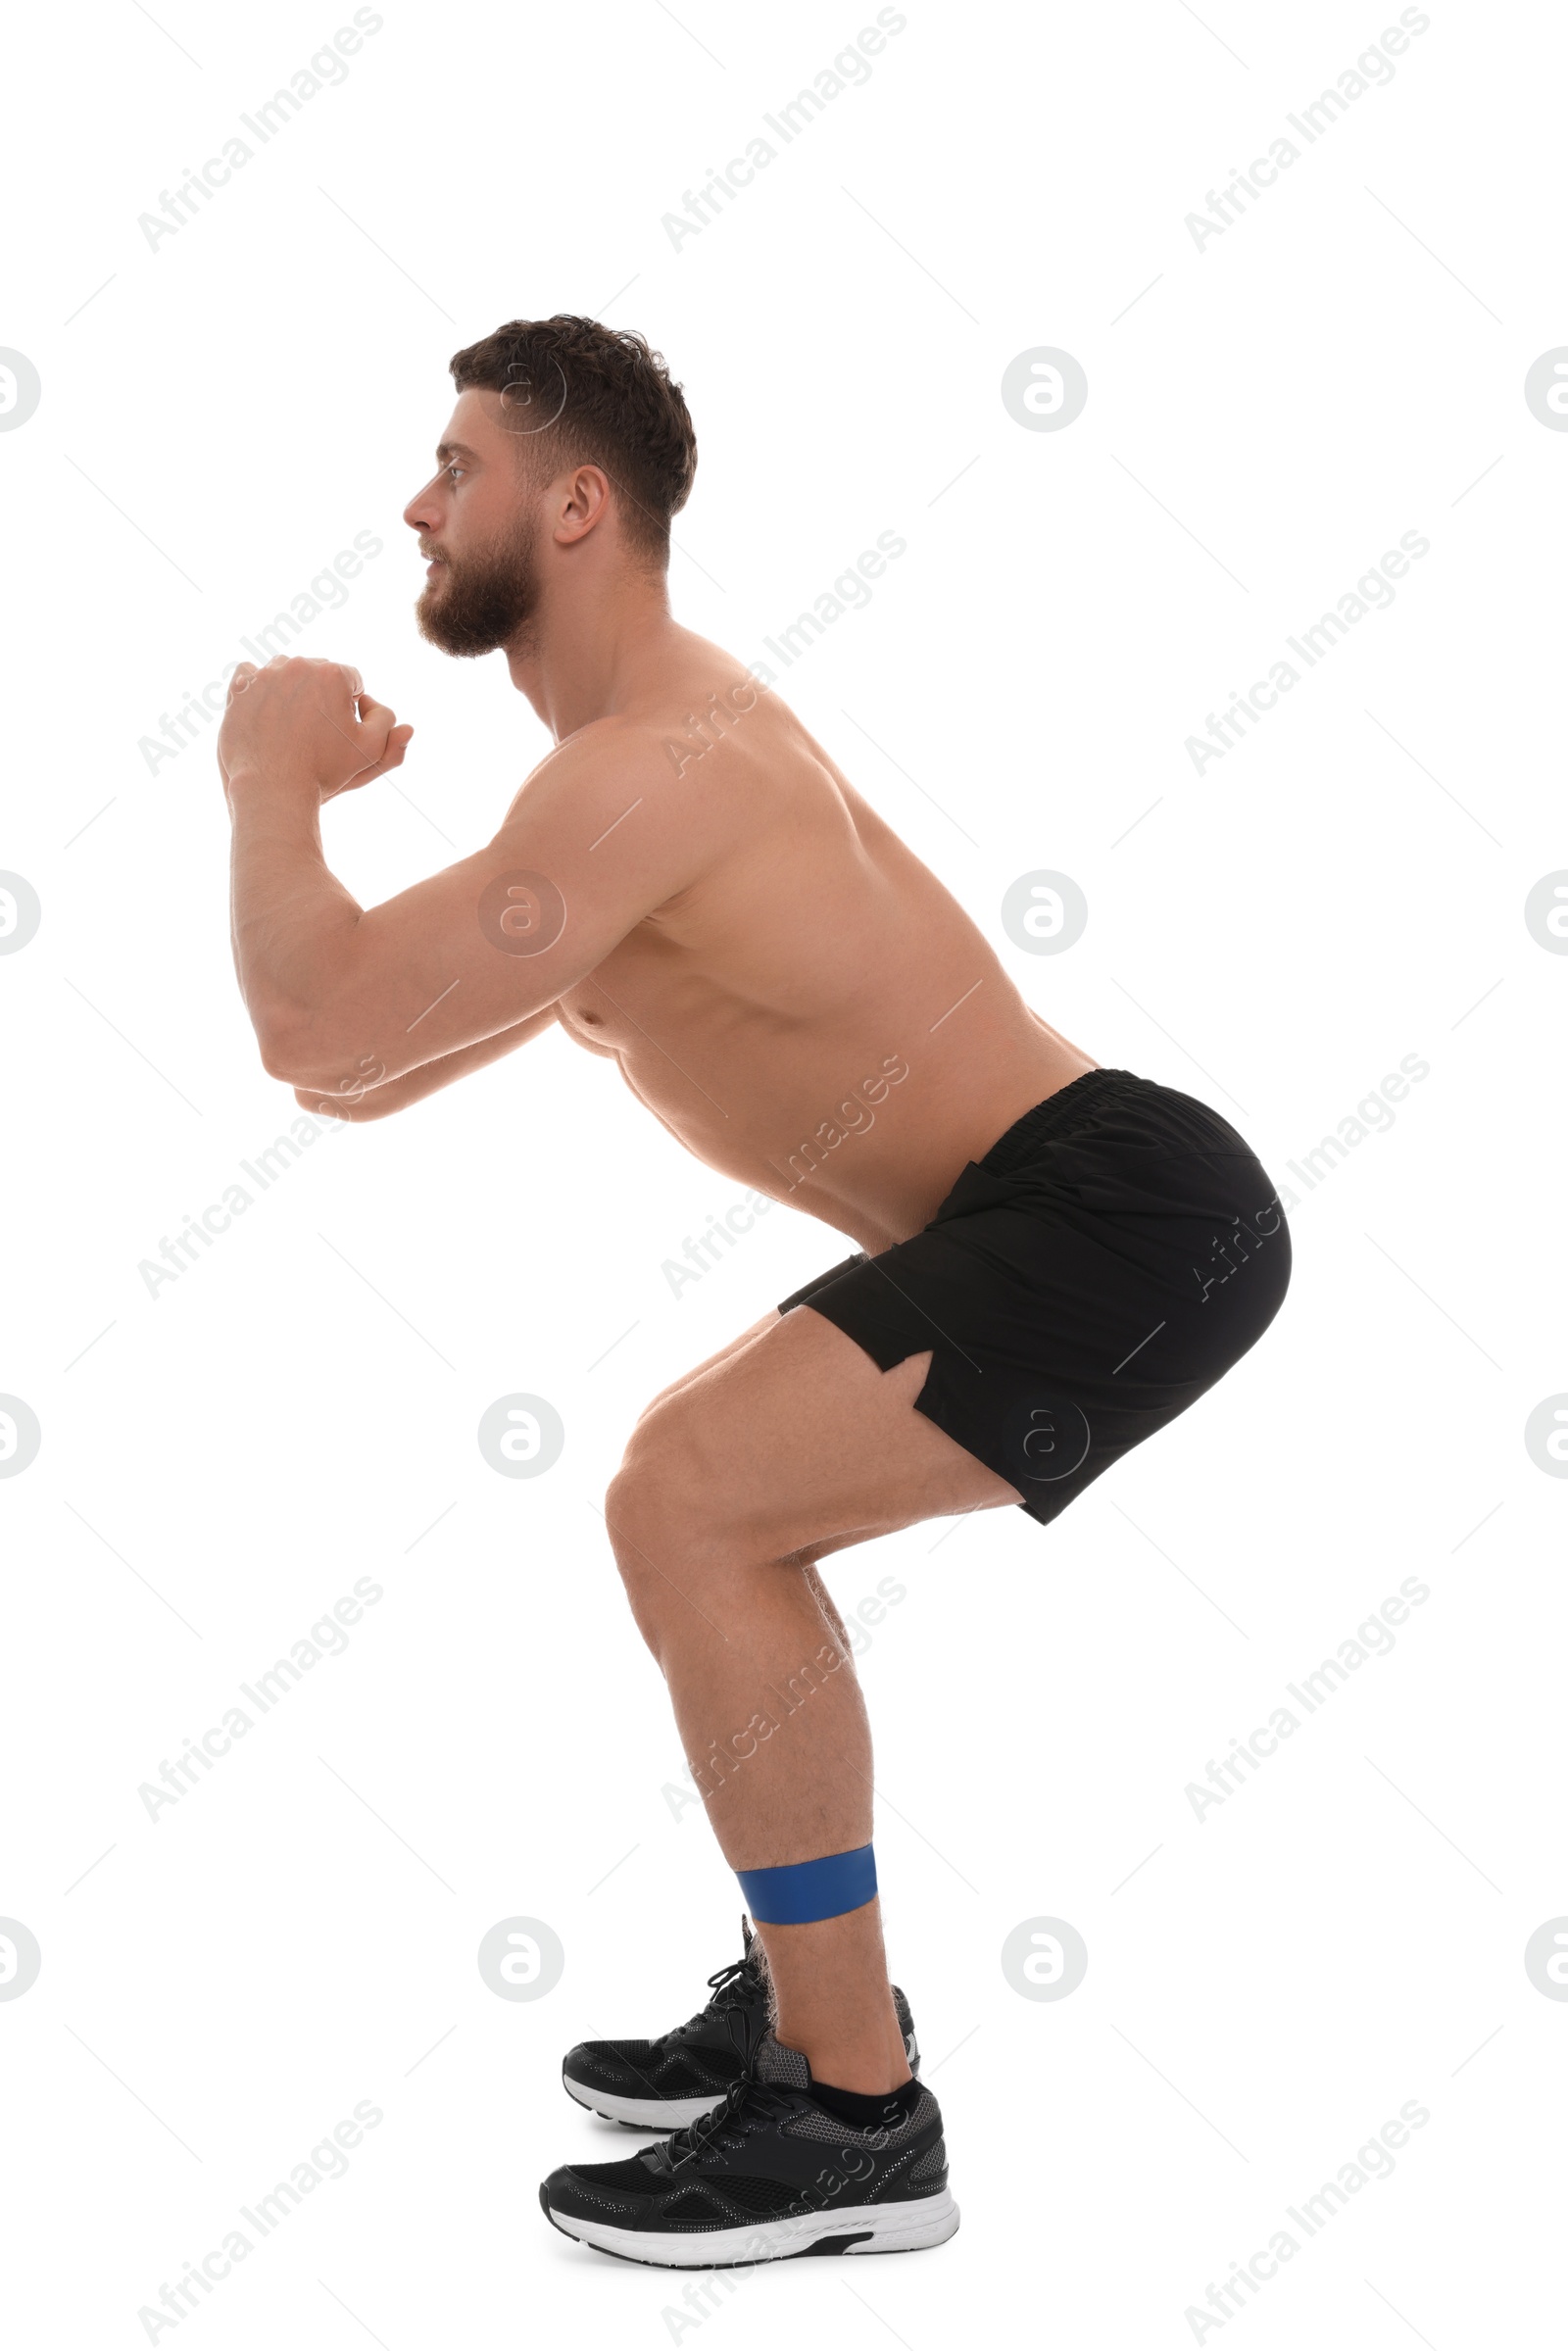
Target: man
(1051, 1258)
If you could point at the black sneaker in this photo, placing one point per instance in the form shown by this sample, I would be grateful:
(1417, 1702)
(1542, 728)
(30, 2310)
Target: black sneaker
(661, 2084)
(772, 2175)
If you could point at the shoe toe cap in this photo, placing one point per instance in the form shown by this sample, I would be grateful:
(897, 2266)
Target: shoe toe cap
(574, 2192)
(599, 2065)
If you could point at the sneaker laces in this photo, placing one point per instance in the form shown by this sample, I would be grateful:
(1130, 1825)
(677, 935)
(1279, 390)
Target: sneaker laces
(747, 2105)
(735, 1984)
(732, 1987)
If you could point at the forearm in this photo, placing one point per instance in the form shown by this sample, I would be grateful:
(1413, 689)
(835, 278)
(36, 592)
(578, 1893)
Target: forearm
(292, 920)
(345, 1000)
(364, 1098)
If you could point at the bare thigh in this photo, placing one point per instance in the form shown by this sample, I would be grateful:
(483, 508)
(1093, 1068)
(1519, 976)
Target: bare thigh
(794, 1441)
(733, 1347)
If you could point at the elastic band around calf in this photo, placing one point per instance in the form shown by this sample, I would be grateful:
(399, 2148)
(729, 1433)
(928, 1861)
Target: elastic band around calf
(805, 1890)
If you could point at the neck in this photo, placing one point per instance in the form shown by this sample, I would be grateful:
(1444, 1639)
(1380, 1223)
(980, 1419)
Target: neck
(583, 654)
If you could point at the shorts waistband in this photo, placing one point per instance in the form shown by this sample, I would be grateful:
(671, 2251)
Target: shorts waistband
(1057, 1115)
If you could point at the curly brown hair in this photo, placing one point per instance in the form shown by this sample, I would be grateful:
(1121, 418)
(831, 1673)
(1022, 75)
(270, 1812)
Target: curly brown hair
(581, 392)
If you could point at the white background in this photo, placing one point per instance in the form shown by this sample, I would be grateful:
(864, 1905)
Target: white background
(219, 1462)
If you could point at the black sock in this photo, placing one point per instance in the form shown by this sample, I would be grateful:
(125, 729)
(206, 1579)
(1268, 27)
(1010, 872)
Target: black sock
(890, 2106)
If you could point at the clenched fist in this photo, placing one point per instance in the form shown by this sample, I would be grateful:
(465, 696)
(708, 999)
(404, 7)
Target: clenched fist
(298, 723)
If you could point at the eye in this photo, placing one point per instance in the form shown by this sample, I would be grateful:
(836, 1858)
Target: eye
(453, 469)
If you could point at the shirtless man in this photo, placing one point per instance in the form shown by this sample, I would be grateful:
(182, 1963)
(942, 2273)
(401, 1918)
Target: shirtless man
(1051, 1258)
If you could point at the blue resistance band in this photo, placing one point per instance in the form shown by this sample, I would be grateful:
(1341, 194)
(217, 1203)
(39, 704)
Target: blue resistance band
(804, 1891)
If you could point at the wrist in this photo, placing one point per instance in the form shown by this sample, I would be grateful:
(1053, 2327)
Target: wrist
(278, 777)
(285, 789)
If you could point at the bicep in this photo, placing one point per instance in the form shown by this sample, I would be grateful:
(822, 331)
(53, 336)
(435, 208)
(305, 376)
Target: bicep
(501, 935)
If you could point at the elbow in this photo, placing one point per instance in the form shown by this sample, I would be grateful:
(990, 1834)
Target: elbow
(302, 1054)
(280, 1054)
(291, 1052)
(282, 1030)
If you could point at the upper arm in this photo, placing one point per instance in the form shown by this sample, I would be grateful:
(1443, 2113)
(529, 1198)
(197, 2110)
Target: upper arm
(600, 834)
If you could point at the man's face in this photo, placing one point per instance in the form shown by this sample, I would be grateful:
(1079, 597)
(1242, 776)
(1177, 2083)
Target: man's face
(477, 520)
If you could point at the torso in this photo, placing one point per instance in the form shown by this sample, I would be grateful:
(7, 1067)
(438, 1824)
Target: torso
(817, 1018)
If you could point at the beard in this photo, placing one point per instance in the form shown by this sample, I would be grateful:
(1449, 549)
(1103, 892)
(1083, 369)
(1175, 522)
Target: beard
(481, 602)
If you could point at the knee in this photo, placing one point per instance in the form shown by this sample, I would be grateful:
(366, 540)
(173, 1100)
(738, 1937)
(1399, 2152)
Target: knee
(635, 1508)
(660, 1528)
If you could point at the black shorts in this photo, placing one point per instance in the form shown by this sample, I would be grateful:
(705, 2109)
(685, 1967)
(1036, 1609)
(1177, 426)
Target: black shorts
(1115, 1253)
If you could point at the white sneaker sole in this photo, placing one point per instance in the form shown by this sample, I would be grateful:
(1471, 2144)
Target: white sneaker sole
(643, 2114)
(871, 2228)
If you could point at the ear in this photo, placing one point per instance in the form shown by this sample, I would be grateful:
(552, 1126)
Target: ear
(584, 504)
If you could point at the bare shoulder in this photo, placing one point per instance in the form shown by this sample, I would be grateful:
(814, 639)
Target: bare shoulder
(658, 747)
(588, 770)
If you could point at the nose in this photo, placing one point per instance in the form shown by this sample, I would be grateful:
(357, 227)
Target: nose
(421, 514)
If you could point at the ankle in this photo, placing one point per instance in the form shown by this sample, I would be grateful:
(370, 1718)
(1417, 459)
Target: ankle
(868, 2111)
(867, 2065)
